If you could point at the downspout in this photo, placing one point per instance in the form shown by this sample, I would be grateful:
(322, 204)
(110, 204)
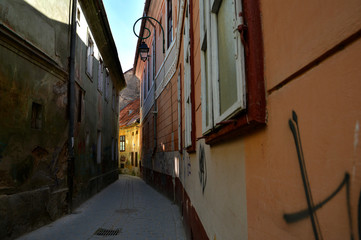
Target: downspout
(71, 92)
(155, 112)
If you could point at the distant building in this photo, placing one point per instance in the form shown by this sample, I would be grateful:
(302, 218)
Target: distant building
(225, 108)
(129, 133)
(38, 179)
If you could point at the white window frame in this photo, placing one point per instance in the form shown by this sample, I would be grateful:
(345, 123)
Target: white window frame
(187, 84)
(209, 33)
(206, 47)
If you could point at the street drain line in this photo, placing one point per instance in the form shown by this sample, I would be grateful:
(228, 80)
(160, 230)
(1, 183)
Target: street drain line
(107, 232)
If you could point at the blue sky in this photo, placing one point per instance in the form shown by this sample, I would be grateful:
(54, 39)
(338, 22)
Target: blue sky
(122, 15)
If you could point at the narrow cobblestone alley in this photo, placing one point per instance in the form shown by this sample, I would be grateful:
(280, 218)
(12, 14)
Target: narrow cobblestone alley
(128, 208)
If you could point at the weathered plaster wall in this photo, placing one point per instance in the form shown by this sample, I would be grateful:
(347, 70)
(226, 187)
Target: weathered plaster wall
(98, 115)
(32, 71)
(34, 50)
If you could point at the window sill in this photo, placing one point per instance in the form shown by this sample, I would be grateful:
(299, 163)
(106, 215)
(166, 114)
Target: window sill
(235, 128)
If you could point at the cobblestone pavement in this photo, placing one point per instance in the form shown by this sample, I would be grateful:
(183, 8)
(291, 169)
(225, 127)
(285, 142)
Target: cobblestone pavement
(129, 208)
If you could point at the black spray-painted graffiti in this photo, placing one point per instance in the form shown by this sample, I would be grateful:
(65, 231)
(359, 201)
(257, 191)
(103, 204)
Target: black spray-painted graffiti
(202, 168)
(311, 207)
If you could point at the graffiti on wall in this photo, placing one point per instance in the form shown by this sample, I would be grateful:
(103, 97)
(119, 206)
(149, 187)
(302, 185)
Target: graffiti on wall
(202, 168)
(311, 207)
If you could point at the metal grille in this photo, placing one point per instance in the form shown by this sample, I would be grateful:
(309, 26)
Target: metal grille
(107, 232)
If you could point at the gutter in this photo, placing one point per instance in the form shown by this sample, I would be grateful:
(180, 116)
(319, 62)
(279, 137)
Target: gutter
(141, 31)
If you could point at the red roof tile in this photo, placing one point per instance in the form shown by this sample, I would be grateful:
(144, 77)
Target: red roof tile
(130, 113)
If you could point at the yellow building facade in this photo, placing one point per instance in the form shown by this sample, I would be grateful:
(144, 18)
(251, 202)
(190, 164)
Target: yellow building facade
(129, 139)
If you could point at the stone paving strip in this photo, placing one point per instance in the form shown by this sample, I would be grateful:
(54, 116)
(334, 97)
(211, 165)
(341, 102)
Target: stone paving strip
(127, 209)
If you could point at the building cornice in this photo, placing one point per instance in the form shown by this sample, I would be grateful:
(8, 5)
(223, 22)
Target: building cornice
(95, 14)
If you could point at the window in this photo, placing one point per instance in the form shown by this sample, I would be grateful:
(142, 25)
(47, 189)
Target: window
(169, 23)
(122, 143)
(36, 115)
(90, 54)
(179, 99)
(136, 159)
(99, 147)
(116, 149)
(223, 91)
(149, 77)
(132, 158)
(154, 56)
(187, 84)
(113, 148)
(144, 85)
(80, 105)
(229, 55)
(107, 84)
(113, 99)
(100, 75)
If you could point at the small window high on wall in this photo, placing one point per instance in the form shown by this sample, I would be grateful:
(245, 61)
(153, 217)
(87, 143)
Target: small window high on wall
(36, 115)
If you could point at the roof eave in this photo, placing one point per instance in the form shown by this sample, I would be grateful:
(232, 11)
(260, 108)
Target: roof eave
(95, 14)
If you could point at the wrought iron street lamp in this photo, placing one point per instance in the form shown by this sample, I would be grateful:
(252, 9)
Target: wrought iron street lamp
(143, 47)
(143, 51)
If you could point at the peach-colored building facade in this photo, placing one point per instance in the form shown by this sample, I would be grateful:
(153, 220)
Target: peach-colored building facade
(251, 118)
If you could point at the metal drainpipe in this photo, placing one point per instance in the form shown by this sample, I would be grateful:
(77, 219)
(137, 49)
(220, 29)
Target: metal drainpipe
(71, 97)
(155, 112)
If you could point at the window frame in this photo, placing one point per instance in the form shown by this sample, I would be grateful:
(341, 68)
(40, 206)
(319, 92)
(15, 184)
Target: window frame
(169, 23)
(101, 75)
(187, 82)
(253, 116)
(240, 103)
(99, 147)
(90, 57)
(107, 85)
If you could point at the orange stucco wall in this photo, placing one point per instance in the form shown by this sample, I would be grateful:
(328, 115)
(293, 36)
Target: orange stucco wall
(326, 100)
